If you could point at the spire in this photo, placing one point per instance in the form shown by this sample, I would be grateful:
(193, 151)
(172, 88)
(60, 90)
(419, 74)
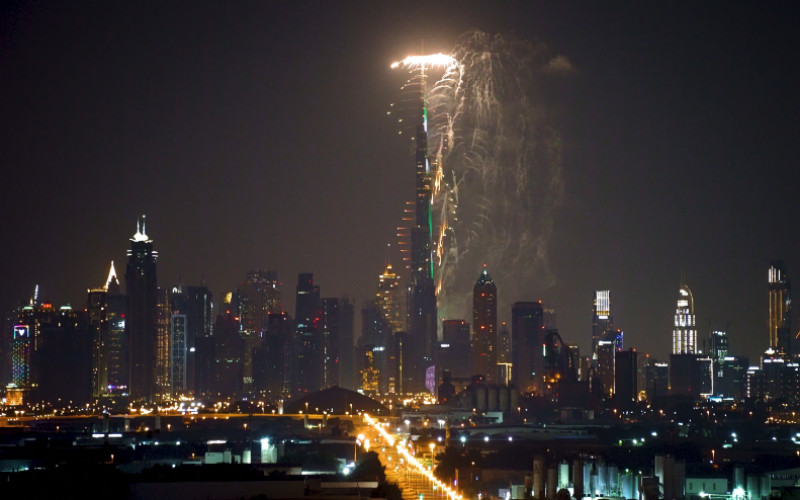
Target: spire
(140, 235)
(112, 277)
(484, 278)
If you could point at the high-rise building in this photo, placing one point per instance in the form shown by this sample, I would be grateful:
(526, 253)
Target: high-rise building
(389, 303)
(141, 285)
(718, 345)
(372, 347)
(424, 323)
(389, 299)
(199, 330)
(602, 322)
(346, 343)
(106, 308)
(455, 356)
(605, 365)
(484, 327)
(780, 309)
(178, 331)
(272, 361)
(21, 354)
(63, 362)
(228, 349)
(307, 345)
(259, 295)
(559, 364)
(527, 336)
(684, 334)
(656, 379)
(330, 342)
(163, 346)
(626, 390)
(504, 344)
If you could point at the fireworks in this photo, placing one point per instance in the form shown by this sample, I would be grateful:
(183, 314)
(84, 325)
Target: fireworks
(496, 165)
(414, 63)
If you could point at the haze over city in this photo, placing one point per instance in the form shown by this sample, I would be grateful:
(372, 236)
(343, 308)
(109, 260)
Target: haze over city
(256, 136)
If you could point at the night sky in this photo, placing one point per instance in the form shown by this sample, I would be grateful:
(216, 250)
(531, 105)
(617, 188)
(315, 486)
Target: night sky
(255, 135)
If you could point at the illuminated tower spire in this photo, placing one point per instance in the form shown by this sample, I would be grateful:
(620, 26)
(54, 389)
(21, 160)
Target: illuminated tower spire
(112, 277)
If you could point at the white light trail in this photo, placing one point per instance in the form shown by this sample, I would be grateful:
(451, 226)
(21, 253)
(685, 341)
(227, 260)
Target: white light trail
(416, 62)
(450, 492)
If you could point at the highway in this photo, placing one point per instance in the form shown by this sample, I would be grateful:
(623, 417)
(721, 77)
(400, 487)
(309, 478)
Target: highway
(413, 476)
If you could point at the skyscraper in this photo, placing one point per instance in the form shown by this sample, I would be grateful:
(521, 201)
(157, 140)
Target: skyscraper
(163, 346)
(307, 348)
(259, 295)
(372, 348)
(602, 322)
(455, 354)
(21, 354)
(484, 327)
(117, 355)
(228, 349)
(105, 334)
(684, 335)
(330, 342)
(199, 328)
(424, 321)
(141, 285)
(178, 348)
(780, 309)
(63, 362)
(273, 359)
(388, 299)
(626, 389)
(346, 338)
(527, 335)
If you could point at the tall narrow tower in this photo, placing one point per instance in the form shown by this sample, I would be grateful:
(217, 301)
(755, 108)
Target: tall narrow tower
(104, 315)
(424, 322)
(527, 337)
(307, 345)
(141, 323)
(780, 308)
(684, 334)
(602, 321)
(484, 327)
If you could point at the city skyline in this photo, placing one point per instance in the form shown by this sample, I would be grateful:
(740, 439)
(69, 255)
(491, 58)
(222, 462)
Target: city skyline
(677, 143)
